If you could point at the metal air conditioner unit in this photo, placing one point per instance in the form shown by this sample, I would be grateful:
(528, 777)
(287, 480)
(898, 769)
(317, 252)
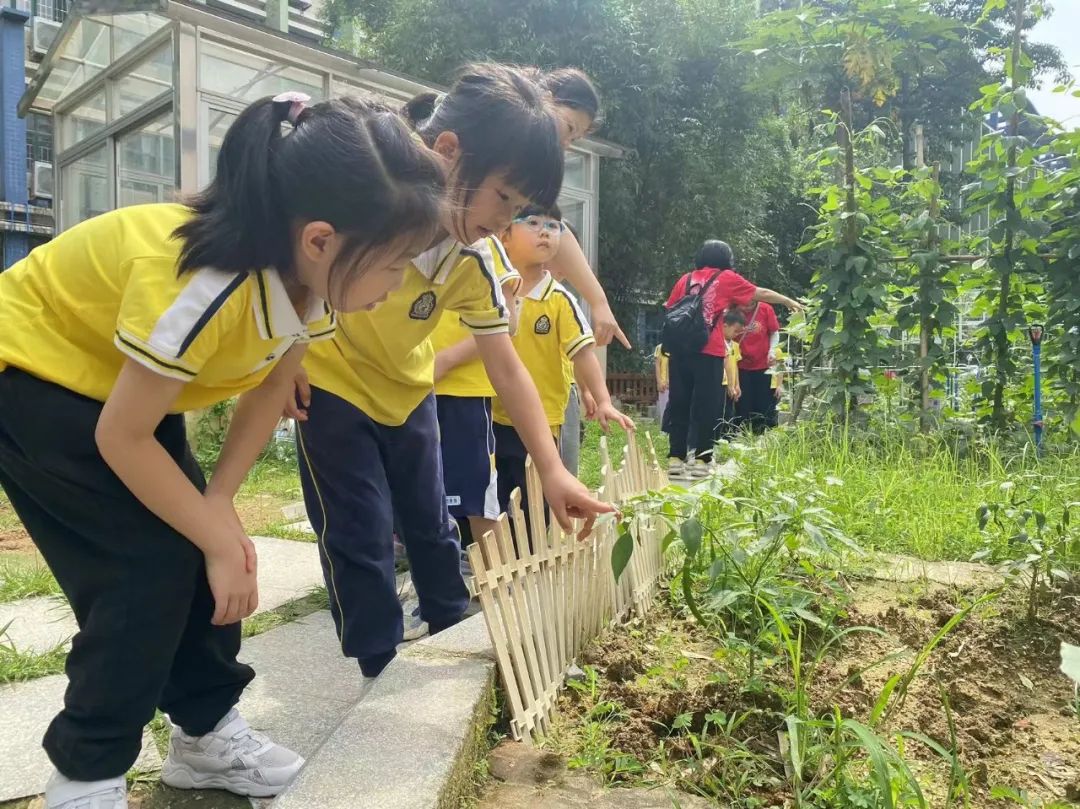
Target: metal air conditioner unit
(42, 185)
(43, 34)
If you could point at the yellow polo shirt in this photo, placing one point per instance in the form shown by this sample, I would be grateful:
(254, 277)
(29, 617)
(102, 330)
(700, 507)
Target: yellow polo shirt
(107, 290)
(735, 353)
(662, 364)
(470, 379)
(776, 370)
(382, 361)
(551, 329)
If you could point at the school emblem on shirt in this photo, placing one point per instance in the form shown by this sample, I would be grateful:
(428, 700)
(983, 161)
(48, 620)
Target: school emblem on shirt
(423, 306)
(543, 325)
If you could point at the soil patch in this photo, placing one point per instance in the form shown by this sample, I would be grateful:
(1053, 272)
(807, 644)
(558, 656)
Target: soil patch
(13, 537)
(650, 691)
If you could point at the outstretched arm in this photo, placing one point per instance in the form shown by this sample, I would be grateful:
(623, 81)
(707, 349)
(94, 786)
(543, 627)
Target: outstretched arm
(570, 263)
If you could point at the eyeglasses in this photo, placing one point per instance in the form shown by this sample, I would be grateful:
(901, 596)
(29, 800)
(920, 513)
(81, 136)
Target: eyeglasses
(537, 224)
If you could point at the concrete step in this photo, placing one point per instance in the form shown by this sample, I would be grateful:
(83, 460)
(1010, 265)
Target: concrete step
(414, 738)
(26, 709)
(302, 688)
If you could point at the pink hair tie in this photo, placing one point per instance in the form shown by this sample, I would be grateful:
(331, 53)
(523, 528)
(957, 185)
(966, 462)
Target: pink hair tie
(297, 104)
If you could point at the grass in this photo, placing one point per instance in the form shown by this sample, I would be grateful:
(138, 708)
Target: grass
(912, 496)
(272, 483)
(273, 476)
(589, 467)
(22, 577)
(18, 665)
(766, 558)
(288, 612)
(282, 529)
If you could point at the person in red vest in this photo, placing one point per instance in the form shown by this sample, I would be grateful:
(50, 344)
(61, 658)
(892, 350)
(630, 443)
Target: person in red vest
(698, 401)
(756, 407)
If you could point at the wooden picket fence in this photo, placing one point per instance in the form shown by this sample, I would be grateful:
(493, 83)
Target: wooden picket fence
(544, 606)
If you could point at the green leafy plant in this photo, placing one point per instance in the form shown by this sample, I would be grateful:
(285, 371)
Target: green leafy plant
(1020, 797)
(852, 244)
(1029, 544)
(1008, 285)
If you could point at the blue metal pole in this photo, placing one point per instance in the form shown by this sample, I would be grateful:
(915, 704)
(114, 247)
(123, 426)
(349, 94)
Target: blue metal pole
(1036, 335)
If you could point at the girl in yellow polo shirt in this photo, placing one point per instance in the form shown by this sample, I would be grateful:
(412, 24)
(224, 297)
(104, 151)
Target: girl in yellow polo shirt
(463, 391)
(114, 329)
(370, 444)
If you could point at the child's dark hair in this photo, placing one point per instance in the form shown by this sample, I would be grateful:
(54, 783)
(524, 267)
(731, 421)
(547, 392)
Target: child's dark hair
(503, 122)
(570, 87)
(733, 317)
(715, 254)
(346, 162)
(551, 211)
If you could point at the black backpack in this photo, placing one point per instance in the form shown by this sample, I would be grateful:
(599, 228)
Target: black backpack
(685, 330)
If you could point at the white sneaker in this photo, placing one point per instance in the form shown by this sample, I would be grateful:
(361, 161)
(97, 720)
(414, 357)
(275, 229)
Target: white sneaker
(406, 589)
(467, 573)
(676, 469)
(63, 793)
(232, 756)
(415, 626)
(698, 469)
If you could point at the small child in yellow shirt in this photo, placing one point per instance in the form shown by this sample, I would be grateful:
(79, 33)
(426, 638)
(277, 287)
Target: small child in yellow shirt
(551, 327)
(661, 363)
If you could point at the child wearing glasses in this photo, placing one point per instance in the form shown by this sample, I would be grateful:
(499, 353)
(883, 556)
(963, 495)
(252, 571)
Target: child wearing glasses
(550, 326)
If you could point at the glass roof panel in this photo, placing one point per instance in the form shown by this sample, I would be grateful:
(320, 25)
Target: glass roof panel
(95, 42)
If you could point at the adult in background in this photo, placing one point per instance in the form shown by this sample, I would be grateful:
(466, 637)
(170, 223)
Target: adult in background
(697, 397)
(756, 408)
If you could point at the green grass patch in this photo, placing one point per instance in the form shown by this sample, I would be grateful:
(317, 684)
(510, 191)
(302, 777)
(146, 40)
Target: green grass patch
(18, 665)
(314, 601)
(24, 577)
(282, 529)
(274, 476)
(160, 732)
(589, 466)
(904, 494)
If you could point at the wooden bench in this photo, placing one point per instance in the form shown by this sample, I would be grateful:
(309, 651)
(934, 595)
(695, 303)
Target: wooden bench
(638, 390)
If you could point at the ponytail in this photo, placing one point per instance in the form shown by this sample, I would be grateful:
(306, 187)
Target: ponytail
(346, 162)
(242, 200)
(419, 108)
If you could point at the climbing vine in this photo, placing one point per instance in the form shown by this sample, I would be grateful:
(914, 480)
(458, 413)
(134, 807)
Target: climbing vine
(851, 246)
(1010, 186)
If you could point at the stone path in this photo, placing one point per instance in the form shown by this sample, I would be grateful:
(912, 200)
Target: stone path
(297, 513)
(287, 570)
(25, 712)
(954, 574)
(304, 688)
